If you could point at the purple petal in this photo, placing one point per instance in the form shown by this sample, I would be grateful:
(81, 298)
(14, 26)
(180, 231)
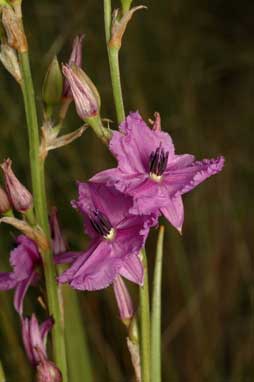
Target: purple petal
(123, 299)
(45, 328)
(180, 161)
(24, 257)
(135, 142)
(25, 322)
(67, 257)
(7, 281)
(36, 339)
(132, 270)
(114, 205)
(95, 269)
(174, 212)
(20, 292)
(185, 179)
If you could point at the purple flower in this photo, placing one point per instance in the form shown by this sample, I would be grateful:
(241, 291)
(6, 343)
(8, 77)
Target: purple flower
(24, 260)
(75, 58)
(34, 338)
(117, 238)
(150, 171)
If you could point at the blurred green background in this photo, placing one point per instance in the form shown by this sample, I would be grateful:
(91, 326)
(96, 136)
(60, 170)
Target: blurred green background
(193, 61)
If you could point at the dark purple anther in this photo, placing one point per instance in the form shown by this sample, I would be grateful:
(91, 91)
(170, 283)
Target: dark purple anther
(158, 161)
(101, 223)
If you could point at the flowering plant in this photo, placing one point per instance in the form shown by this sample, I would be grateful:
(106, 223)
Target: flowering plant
(119, 206)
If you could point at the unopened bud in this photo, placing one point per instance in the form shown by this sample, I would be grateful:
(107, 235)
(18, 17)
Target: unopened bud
(13, 26)
(4, 202)
(20, 197)
(53, 84)
(76, 59)
(123, 300)
(9, 60)
(85, 94)
(46, 371)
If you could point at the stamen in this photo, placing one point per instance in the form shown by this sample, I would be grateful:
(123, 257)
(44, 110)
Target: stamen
(157, 163)
(102, 225)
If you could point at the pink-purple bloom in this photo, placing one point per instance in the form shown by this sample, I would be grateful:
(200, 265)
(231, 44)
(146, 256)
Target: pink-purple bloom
(24, 260)
(117, 238)
(150, 171)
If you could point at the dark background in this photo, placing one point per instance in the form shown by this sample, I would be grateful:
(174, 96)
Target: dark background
(193, 61)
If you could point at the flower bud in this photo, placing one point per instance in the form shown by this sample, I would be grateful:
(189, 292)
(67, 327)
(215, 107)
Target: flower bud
(4, 202)
(75, 58)
(123, 300)
(46, 371)
(9, 60)
(85, 94)
(20, 197)
(53, 84)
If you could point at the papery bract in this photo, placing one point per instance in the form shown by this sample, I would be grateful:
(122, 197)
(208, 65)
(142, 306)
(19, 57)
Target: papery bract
(150, 171)
(24, 259)
(117, 238)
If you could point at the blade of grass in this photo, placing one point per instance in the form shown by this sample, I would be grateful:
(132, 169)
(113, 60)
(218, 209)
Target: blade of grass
(156, 311)
(78, 358)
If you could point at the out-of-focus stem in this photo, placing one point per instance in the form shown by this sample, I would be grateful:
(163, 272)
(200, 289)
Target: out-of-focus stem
(156, 312)
(113, 56)
(40, 204)
(2, 376)
(145, 324)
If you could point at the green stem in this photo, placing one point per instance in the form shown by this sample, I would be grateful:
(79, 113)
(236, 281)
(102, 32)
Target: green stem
(113, 56)
(145, 323)
(156, 312)
(40, 204)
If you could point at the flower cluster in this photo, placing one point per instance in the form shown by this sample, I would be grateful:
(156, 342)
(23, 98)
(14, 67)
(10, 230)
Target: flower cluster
(120, 205)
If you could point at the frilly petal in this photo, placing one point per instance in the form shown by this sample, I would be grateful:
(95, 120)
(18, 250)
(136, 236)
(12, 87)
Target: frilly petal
(174, 212)
(132, 270)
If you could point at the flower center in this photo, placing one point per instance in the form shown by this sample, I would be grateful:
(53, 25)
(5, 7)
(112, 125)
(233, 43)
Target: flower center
(157, 163)
(102, 225)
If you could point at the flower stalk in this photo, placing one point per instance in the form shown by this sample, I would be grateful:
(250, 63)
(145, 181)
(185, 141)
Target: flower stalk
(2, 375)
(145, 323)
(40, 204)
(156, 311)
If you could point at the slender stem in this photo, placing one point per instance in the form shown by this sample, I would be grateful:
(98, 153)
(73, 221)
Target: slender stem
(156, 312)
(113, 56)
(40, 204)
(145, 324)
